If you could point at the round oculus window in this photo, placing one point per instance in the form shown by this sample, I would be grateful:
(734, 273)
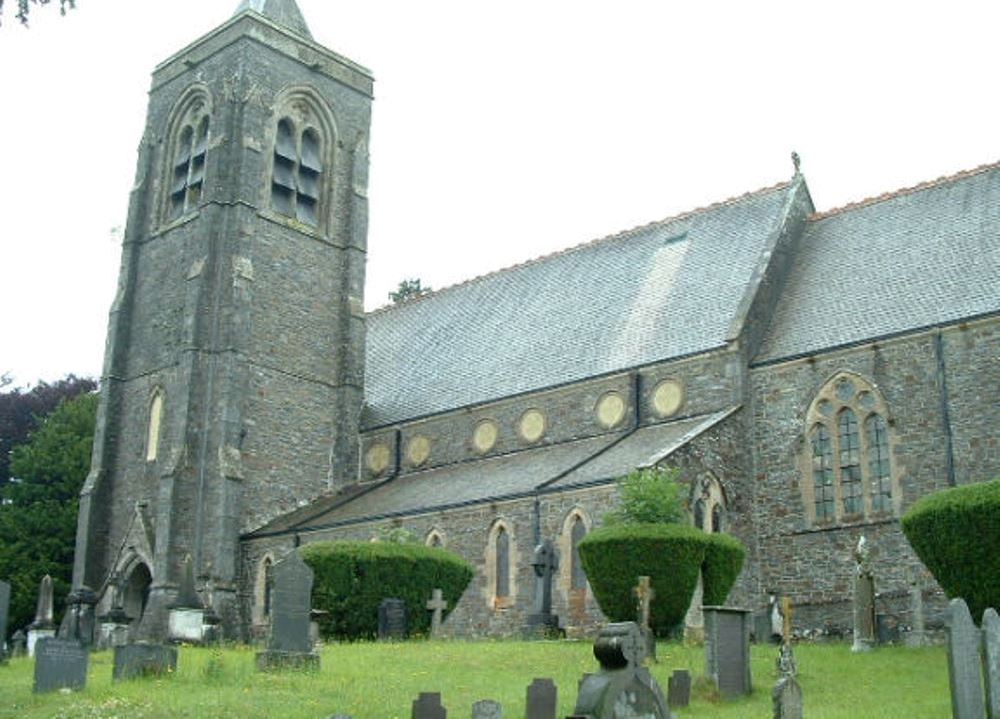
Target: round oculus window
(668, 396)
(531, 427)
(610, 410)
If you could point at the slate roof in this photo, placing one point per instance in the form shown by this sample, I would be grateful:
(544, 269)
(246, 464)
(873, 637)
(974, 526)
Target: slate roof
(657, 292)
(594, 460)
(917, 258)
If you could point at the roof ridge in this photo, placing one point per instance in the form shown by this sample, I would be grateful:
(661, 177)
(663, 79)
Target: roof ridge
(579, 246)
(892, 194)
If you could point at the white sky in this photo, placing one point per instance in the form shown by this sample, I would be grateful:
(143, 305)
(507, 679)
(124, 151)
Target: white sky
(502, 130)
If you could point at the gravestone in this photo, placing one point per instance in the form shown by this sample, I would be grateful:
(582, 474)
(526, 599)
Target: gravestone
(436, 605)
(4, 613)
(864, 598)
(393, 622)
(786, 660)
(918, 624)
(786, 698)
(114, 623)
(144, 660)
(644, 593)
(60, 664)
(623, 687)
(428, 706)
(991, 661)
(487, 709)
(43, 626)
(291, 600)
(80, 620)
(762, 626)
(727, 649)
(186, 618)
(545, 562)
(679, 689)
(964, 670)
(776, 619)
(18, 644)
(540, 700)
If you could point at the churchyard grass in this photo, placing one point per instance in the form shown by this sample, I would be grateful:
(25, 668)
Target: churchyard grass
(379, 680)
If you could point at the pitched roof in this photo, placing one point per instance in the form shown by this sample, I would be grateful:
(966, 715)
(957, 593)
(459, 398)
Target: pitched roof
(282, 12)
(660, 291)
(921, 257)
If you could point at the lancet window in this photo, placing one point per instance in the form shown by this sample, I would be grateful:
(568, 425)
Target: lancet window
(297, 173)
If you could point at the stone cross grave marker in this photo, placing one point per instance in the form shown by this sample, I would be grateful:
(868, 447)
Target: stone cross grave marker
(918, 628)
(392, 619)
(679, 689)
(487, 709)
(787, 699)
(645, 593)
(963, 663)
(428, 706)
(133, 661)
(864, 598)
(436, 604)
(786, 660)
(991, 660)
(545, 562)
(42, 627)
(540, 700)
(727, 649)
(4, 612)
(60, 664)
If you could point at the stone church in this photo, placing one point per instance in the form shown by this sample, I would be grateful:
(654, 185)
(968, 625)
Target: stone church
(810, 373)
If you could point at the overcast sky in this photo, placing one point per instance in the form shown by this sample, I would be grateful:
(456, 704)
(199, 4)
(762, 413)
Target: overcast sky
(501, 130)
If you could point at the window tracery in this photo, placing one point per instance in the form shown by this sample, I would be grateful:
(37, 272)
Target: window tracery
(188, 154)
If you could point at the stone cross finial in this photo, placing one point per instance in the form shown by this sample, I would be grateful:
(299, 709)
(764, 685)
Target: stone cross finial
(796, 161)
(644, 592)
(437, 605)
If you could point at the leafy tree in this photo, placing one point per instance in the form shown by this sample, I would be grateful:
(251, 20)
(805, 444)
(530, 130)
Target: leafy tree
(649, 496)
(24, 7)
(21, 409)
(38, 506)
(408, 289)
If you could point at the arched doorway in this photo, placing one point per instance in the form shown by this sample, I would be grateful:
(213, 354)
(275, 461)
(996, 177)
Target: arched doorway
(137, 592)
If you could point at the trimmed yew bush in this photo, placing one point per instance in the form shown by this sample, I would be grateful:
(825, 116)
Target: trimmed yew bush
(956, 534)
(352, 578)
(670, 554)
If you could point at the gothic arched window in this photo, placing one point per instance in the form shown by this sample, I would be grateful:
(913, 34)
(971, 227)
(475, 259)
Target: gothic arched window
(502, 572)
(577, 577)
(154, 424)
(268, 586)
(849, 472)
(297, 172)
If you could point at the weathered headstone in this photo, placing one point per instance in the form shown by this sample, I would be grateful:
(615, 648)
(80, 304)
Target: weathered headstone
(436, 605)
(864, 598)
(80, 620)
(918, 631)
(727, 649)
(644, 593)
(144, 660)
(43, 626)
(18, 644)
(787, 698)
(4, 611)
(487, 709)
(428, 706)
(964, 668)
(762, 626)
(623, 687)
(991, 661)
(392, 619)
(545, 562)
(540, 700)
(679, 689)
(187, 613)
(291, 601)
(786, 660)
(60, 664)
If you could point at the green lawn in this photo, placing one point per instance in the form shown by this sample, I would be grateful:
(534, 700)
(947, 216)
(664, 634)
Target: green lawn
(378, 681)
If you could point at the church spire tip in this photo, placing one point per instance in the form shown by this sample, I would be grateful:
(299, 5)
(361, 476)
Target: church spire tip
(281, 12)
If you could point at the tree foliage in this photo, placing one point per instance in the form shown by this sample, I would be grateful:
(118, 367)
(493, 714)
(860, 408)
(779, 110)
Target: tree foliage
(24, 7)
(649, 496)
(408, 289)
(20, 411)
(38, 506)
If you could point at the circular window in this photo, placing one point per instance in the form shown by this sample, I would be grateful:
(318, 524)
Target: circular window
(668, 398)
(531, 427)
(377, 458)
(484, 436)
(418, 449)
(610, 409)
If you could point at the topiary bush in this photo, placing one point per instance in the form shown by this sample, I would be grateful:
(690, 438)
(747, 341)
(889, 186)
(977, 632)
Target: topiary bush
(670, 555)
(956, 533)
(352, 578)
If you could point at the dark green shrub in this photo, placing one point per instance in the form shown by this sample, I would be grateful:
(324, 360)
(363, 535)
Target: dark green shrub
(352, 578)
(723, 561)
(670, 554)
(956, 534)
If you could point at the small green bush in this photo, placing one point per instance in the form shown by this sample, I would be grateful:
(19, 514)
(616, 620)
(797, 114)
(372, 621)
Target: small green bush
(956, 534)
(352, 578)
(649, 496)
(723, 561)
(670, 554)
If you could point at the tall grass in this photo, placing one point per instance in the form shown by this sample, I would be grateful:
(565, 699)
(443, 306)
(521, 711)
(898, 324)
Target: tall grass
(379, 681)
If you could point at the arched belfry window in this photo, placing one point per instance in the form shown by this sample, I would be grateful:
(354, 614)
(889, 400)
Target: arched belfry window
(848, 472)
(154, 424)
(298, 170)
(188, 152)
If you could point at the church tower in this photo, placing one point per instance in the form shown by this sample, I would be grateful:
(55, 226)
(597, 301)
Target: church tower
(233, 373)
